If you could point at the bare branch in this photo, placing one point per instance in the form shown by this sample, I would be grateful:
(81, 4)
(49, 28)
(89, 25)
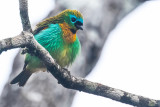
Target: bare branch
(63, 76)
(16, 42)
(26, 39)
(23, 7)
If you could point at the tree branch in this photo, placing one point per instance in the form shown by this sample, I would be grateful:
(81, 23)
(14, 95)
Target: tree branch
(63, 76)
(26, 39)
(23, 7)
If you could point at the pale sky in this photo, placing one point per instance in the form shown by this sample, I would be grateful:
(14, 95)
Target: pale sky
(130, 59)
(11, 26)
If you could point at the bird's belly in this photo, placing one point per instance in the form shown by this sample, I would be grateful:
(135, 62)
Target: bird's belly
(35, 64)
(63, 58)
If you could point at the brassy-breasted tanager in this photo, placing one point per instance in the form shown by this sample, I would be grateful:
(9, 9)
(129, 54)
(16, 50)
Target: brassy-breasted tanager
(58, 36)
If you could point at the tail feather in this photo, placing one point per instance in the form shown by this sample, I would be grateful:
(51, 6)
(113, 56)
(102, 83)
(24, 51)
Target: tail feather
(22, 78)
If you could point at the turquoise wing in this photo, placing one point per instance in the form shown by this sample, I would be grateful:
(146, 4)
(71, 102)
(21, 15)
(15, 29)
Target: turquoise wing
(50, 38)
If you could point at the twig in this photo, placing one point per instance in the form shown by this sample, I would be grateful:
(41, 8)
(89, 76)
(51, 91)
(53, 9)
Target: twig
(23, 7)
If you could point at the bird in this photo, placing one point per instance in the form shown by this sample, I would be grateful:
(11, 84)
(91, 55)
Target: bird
(57, 35)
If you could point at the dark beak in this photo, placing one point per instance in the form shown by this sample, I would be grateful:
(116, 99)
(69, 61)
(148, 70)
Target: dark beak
(79, 25)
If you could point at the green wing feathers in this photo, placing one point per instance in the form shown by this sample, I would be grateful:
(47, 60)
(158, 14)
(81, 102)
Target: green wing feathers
(45, 23)
(51, 39)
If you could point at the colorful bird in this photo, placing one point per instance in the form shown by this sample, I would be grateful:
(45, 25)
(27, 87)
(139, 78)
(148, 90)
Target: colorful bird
(58, 36)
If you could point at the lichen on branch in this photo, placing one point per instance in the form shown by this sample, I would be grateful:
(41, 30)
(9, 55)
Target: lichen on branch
(63, 76)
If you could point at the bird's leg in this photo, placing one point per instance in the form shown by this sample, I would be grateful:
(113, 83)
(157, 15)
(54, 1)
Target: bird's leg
(67, 70)
(24, 51)
(28, 50)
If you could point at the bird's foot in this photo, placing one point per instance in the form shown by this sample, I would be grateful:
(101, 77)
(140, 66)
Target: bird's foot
(24, 51)
(27, 50)
(67, 71)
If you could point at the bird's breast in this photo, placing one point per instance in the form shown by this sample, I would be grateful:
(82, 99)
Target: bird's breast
(68, 36)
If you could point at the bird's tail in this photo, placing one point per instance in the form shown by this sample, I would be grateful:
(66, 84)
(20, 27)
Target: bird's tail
(22, 78)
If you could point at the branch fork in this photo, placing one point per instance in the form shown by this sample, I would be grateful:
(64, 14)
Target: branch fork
(26, 39)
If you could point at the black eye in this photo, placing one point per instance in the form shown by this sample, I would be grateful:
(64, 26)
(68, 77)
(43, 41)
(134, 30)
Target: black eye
(73, 19)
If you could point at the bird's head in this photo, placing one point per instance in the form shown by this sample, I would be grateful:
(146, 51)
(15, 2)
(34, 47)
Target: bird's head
(73, 18)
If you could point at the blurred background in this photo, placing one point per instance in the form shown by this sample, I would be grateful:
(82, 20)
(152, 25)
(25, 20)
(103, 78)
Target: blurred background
(120, 48)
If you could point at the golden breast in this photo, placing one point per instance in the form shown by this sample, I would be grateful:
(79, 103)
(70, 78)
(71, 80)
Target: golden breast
(68, 36)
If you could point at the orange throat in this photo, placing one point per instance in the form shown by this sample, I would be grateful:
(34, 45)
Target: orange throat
(68, 36)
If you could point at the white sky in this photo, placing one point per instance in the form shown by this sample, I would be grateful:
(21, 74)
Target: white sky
(132, 51)
(130, 59)
(11, 26)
